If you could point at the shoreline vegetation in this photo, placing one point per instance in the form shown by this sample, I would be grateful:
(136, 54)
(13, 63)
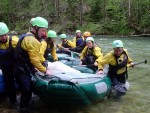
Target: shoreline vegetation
(100, 17)
(72, 34)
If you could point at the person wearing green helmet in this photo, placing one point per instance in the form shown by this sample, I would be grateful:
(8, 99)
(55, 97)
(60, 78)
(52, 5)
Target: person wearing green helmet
(28, 58)
(78, 39)
(90, 53)
(65, 44)
(48, 46)
(7, 45)
(118, 59)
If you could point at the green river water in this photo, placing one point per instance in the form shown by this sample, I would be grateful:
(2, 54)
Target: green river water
(137, 99)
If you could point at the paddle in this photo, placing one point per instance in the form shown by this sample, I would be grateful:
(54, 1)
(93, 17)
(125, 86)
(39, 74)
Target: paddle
(70, 51)
(145, 61)
(90, 65)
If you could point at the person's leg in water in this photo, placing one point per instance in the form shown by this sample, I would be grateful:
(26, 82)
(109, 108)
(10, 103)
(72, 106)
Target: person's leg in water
(24, 81)
(10, 86)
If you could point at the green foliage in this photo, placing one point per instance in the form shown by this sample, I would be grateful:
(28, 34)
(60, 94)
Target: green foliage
(97, 16)
(96, 8)
(94, 28)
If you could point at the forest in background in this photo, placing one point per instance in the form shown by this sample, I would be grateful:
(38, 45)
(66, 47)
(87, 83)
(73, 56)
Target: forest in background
(108, 17)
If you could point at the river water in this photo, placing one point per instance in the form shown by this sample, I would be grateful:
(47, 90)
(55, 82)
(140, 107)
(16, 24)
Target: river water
(137, 99)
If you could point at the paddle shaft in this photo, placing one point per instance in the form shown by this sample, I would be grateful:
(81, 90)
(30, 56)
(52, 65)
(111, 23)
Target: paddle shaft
(91, 65)
(70, 51)
(145, 61)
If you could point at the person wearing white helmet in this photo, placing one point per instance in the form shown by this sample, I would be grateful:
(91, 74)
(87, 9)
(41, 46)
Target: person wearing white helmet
(90, 53)
(117, 60)
(79, 48)
(7, 45)
(78, 39)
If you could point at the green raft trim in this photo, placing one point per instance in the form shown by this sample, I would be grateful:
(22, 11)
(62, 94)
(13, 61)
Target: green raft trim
(65, 92)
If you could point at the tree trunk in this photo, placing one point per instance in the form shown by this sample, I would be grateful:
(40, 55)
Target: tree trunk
(57, 10)
(81, 11)
(131, 24)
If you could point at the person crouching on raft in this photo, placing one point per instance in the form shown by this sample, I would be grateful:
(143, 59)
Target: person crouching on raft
(65, 44)
(91, 53)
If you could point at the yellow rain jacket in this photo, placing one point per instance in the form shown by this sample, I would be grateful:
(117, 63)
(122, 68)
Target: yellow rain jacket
(43, 48)
(67, 44)
(14, 41)
(96, 52)
(32, 46)
(110, 59)
(75, 41)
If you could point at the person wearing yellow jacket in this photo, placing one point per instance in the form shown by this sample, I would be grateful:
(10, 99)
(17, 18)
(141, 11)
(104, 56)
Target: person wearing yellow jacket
(65, 44)
(48, 46)
(7, 45)
(83, 44)
(90, 53)
(117, 60)
(28, 58)
(79, 39)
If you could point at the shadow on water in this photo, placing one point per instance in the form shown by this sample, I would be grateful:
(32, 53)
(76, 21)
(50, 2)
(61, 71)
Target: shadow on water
(137, 99)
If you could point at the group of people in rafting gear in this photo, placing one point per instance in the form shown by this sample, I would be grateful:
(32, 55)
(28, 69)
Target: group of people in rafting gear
(20, 58)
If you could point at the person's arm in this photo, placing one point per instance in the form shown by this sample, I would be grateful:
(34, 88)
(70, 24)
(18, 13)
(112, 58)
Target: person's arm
(59, 46)
(74, 41)
(102, 61)
(71, 44)
(97, 52)
(54, 55)
(83, 53)
(42, 50)
(32, 46)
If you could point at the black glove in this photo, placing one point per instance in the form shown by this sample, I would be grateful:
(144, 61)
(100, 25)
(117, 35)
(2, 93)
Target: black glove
(45, 63)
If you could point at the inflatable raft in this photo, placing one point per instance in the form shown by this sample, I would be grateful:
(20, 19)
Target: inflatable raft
(61, 56)
(71, 88)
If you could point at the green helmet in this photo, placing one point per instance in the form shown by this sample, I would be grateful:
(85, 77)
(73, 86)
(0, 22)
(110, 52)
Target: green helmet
(3, 28)
(117, 43)
(90, 39)
(63, 36)
(32, 20)
(78, 31)
(39, 21)
(52, 34)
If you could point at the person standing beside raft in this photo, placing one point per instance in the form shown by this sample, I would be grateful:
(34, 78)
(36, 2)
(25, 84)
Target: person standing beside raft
(117, 60)
(7, 45)
(28, 58)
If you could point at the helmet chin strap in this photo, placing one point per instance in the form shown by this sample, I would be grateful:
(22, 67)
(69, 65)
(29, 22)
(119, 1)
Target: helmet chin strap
(36, 33)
